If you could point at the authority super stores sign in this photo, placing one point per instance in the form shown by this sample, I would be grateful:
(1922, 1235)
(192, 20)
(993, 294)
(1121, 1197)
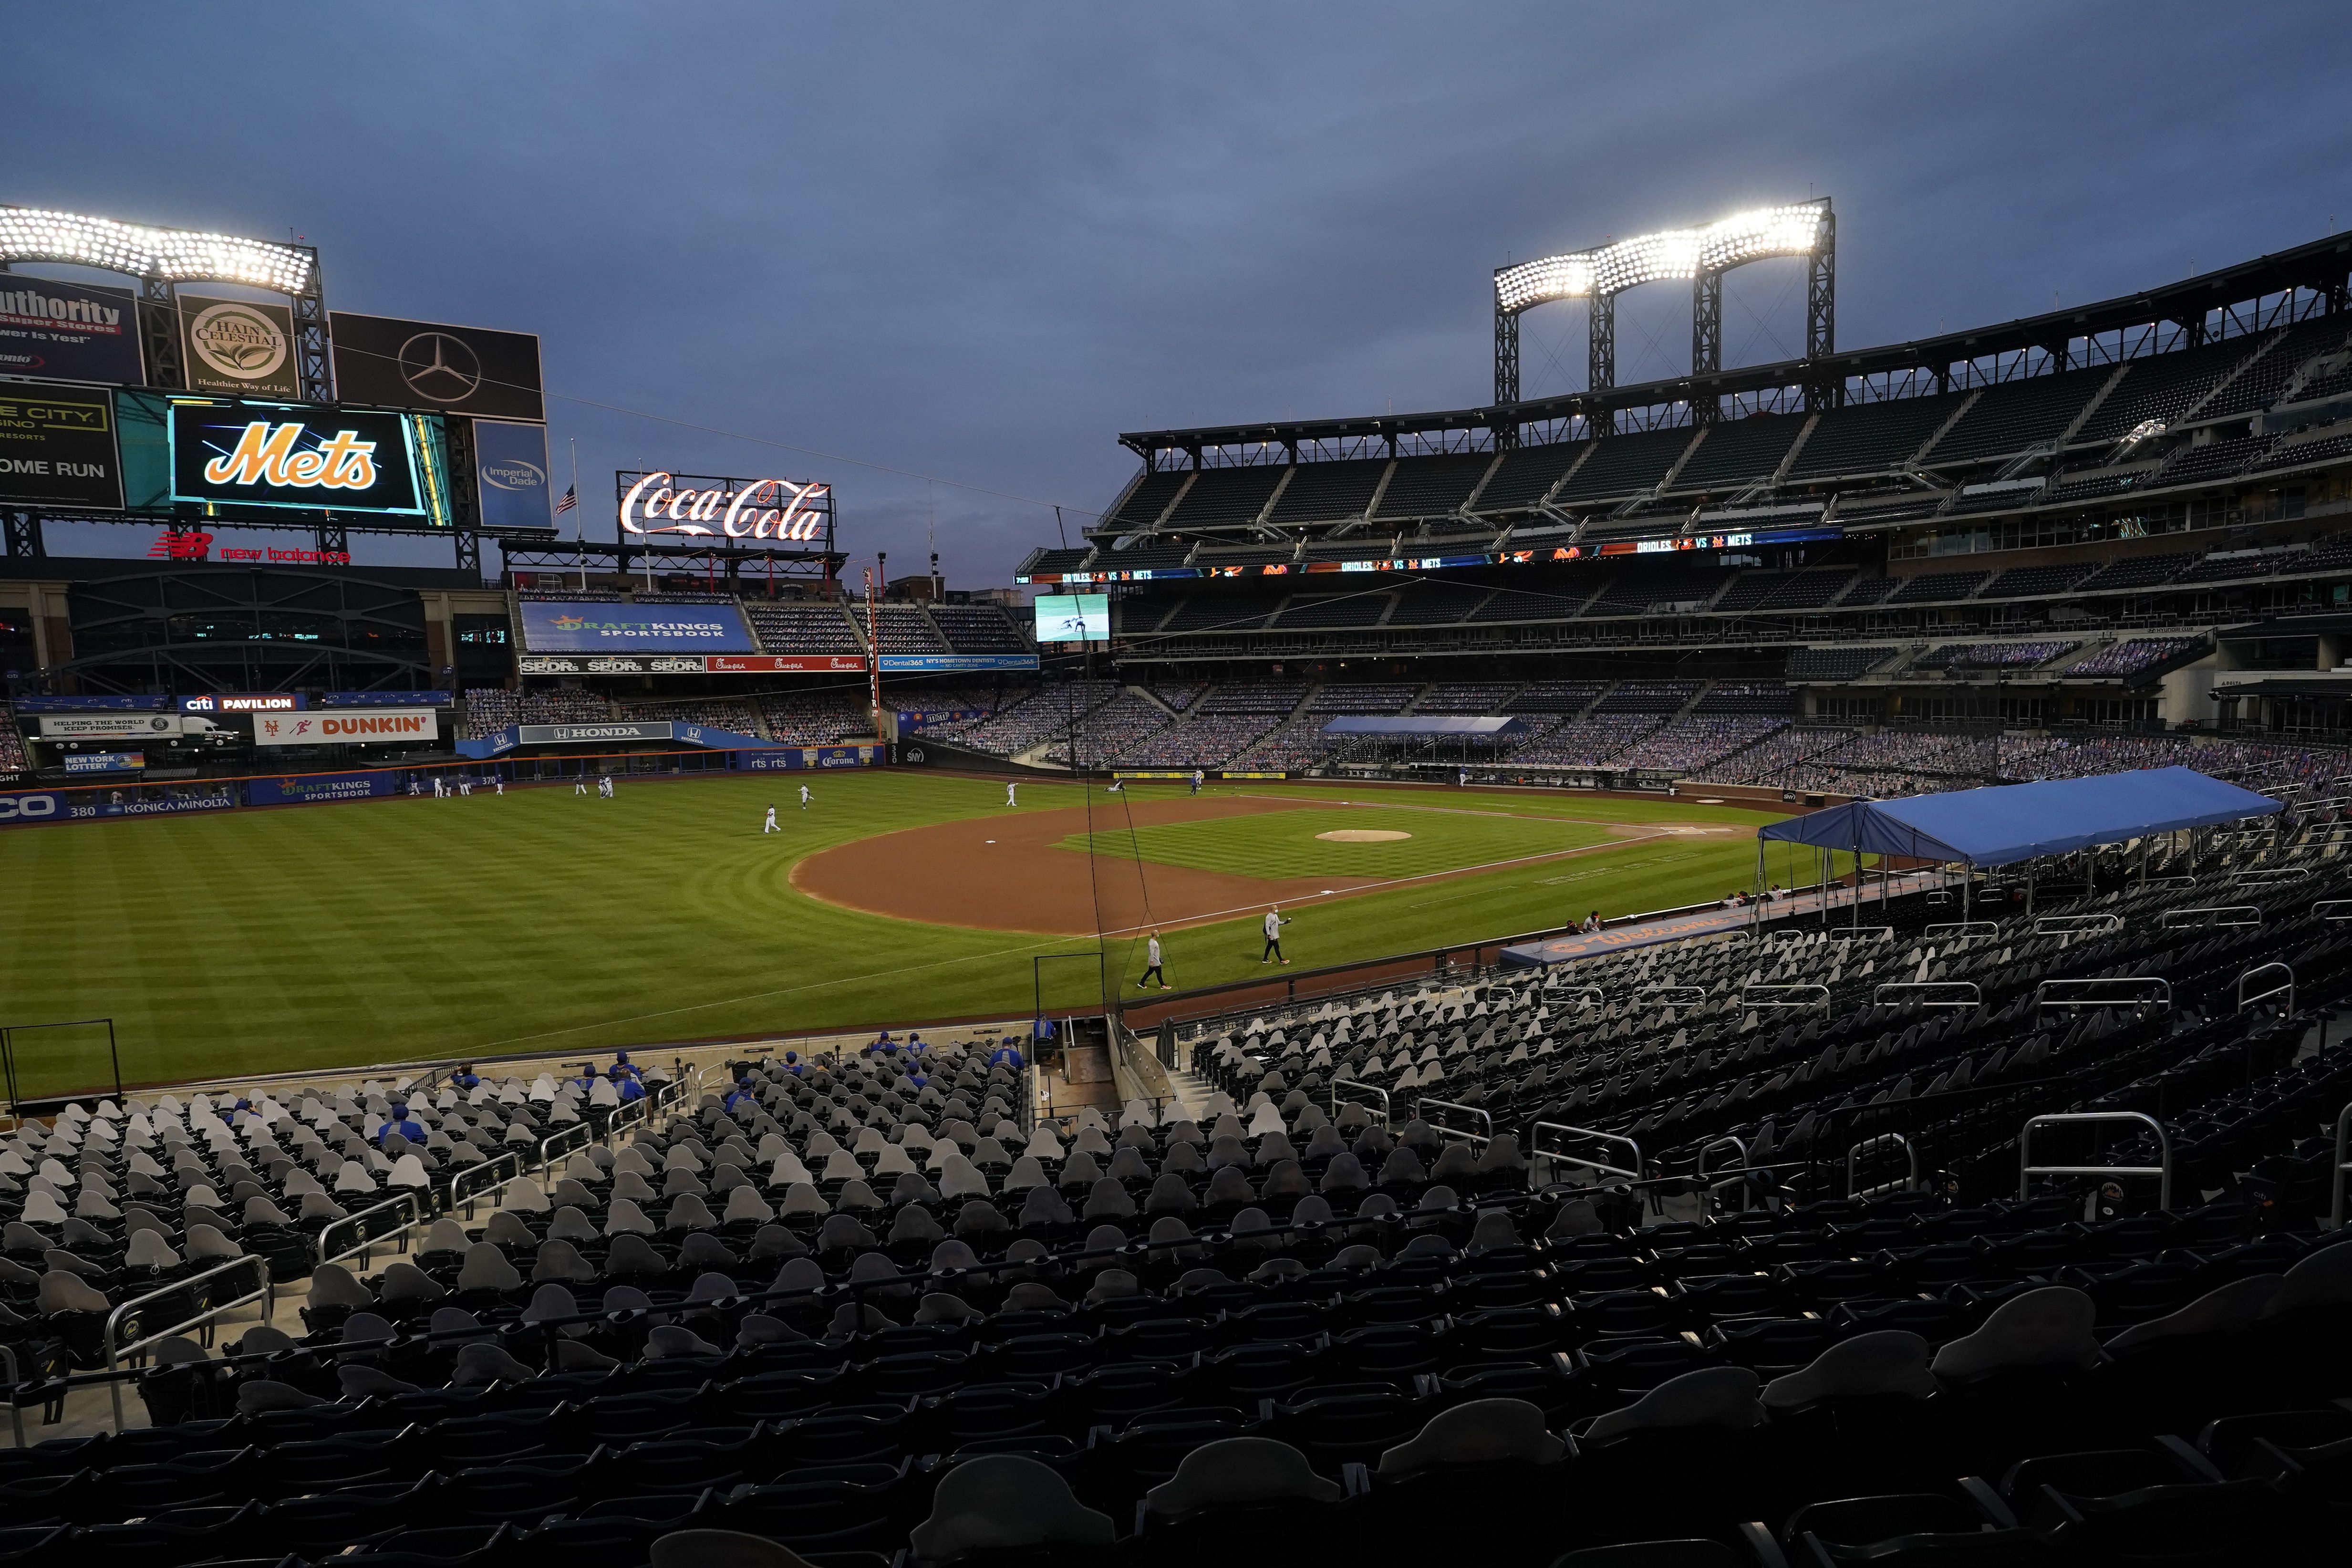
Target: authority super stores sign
(359, 726)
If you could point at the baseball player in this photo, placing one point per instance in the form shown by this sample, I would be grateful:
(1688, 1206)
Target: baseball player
(804, 797)
(1198, 778)
(1008, 794)
(580, 785)
(770, 826)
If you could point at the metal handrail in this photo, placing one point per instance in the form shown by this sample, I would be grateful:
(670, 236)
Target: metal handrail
(1487, 1137)
(547, 1150)
(1909, 1153)
(458, 1178)
(2074, 925)
(367, 1243)
(1726, 1141)
(2042, 998)
(263, 1291)
(1593, 993)
(1388, 1101)
(1749, 997)
(16, 1411)
(1974, 998)
(2335, 911)
(2027, 1170)
(2245, 1001)
(1862, 934)
(1964, 929)
(2335, 1174)
(1536, 1151)
(2165, 920)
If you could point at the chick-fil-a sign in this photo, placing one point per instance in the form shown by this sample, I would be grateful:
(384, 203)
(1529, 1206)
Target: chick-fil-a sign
(660, 502)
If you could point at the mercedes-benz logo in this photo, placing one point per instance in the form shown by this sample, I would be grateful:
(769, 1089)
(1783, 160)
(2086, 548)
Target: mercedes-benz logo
(439, 368)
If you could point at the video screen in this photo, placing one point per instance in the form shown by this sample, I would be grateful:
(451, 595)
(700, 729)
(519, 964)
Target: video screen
(1074, 617)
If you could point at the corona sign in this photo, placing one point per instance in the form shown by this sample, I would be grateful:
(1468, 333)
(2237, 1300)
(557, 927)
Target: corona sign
(658, 503)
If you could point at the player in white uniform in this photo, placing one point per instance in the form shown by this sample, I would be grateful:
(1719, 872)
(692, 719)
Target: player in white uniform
(580, 785)
(804, 797)
(1197, 778)
(1008, 794)
(606, 786)
(498, 786)
(770, 826)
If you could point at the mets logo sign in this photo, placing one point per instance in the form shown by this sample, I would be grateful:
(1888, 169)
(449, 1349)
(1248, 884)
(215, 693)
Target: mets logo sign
(266, 454)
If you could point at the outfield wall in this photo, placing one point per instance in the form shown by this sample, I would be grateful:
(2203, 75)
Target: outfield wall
(21, 808)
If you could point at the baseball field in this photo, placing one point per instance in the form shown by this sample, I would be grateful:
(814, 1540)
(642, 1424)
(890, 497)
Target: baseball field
(544, 920)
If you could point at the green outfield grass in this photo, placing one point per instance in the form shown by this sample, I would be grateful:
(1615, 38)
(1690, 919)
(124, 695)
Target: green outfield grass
(342, 936)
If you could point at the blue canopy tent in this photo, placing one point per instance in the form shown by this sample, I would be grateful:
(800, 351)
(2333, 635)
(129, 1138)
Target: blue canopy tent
(2008, 822)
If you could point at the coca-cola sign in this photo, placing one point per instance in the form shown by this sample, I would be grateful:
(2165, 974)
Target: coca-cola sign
(699, 506)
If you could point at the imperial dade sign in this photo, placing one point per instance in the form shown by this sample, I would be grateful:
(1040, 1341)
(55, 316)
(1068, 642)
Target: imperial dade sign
(699, 505)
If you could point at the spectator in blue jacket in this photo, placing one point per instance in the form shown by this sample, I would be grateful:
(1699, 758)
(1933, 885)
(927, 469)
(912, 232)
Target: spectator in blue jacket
(1007, 1055)
(398, 1121)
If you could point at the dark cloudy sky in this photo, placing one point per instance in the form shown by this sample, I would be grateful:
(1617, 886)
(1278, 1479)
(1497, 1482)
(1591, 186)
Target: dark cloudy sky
(978, 241)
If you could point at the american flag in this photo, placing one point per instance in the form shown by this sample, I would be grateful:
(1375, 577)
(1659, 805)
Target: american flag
(570, 499)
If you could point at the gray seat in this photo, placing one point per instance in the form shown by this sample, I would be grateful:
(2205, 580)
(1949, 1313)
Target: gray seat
(1002, 1502)
(2048, 1326)
(1712, 1396)
(1239, 1470)
(1889, 1362)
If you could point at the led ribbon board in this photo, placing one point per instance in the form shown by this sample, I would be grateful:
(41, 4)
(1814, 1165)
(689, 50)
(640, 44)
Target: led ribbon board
(234, 453)
(698, 506)
(1669, 254)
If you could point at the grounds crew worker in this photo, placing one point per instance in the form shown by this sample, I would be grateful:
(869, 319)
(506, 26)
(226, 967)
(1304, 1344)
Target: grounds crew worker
(1274, 924)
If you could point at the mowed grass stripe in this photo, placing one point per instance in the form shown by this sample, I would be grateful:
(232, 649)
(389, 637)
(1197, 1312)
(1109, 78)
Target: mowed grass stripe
(336, 935)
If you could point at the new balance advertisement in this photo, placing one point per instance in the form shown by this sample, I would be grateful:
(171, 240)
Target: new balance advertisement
(341, 459)
(234, 346)
(68, 332)
(358, 726)
(511, 474)
(58, 449)
(561, 626)
(429, 364)
(309, 789)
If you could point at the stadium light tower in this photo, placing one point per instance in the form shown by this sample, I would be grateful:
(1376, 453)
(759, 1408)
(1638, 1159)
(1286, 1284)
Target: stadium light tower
(162, 258)
(1807, 229)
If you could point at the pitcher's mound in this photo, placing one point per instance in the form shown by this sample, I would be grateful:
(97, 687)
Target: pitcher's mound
(1363, 835)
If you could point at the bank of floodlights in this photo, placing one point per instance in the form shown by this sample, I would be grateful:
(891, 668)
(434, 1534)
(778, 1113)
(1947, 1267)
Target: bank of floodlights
(174, 254)
(1701, 256)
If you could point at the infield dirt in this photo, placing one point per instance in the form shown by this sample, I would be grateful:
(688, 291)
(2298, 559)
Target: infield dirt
(1005, 873)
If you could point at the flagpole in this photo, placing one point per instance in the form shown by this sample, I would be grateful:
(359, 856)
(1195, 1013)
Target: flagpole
(579, 523)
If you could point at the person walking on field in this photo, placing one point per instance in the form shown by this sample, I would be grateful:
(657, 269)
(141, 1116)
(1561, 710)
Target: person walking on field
(770, 826)
(1152, 952)
(804, 797)
(1275, 922)
(1009, 789)
(1196, 780)
(580, 785)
